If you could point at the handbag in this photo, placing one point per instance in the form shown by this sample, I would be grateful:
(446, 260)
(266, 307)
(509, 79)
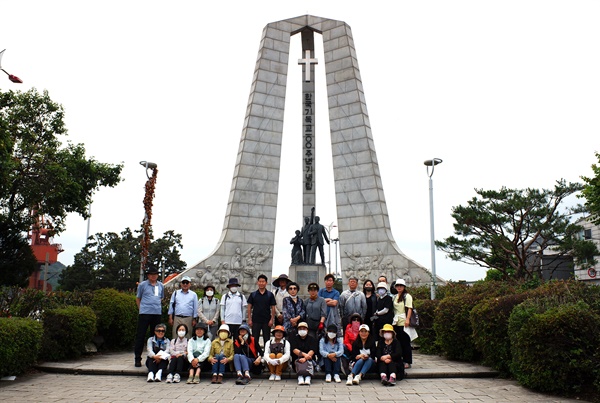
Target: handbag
(304, 368)
(414, 318)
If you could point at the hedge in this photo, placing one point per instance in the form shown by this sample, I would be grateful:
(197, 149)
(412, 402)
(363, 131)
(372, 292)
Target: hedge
(20, 342)
(427, 338)
(66, 331)
(117, 315)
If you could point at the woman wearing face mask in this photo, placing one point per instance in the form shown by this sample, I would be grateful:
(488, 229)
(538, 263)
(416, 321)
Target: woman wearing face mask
(388, 354)
(178, 351)
(209, 310)
(304, 348)
(247, 356)
(331, 349)
(371, 296)
(198, 351)
(351, 332)
(384, 309)
(221, 352)
(293, 309)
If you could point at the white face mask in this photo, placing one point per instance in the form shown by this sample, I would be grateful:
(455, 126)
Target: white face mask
(210, 293)
(381, 292)
(302, 333)
(233, 290)
(245, 337)
(331, 335)
(181, 333)
(388, 336)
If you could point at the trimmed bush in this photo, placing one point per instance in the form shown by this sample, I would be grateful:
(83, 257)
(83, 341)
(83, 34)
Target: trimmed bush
(489, 321)
(20, 341)
(452, 327)
(117, 315)
(555, 347)
(66, 330)
(427, 339)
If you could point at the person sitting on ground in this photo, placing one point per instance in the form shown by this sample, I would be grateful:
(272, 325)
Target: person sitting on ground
(304, 348)
(351, 333)
(178, 351)
(247, 356)
(158, 353)
(198, 351)
(221, 352)
(363, 352)
(331, 348)
(388, 355)
(277, 353)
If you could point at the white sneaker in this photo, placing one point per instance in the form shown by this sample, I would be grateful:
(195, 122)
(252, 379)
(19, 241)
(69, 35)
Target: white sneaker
(328, 378)
(356, 379)
(307, 380)
(300, 380)
(176, 378)
(158, 376)
(277, 378)
(169, 378)
(150, 377)
(349, 381)
(336, 378)
(272, 377)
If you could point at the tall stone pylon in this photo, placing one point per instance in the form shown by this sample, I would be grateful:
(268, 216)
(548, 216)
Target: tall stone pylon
(367, 247)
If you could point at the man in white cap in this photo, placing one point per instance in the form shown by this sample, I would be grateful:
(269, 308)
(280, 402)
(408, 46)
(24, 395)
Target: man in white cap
(233, 307)
(183, 307)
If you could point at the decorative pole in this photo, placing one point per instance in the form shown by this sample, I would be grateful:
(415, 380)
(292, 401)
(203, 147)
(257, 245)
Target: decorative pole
(149, 195)
(431, 164)
(12, 78)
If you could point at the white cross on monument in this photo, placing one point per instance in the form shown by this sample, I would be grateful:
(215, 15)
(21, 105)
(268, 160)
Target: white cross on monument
(307, 61)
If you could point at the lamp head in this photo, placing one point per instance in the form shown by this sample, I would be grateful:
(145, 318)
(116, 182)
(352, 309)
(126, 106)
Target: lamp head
(433, 162)
(148, 164)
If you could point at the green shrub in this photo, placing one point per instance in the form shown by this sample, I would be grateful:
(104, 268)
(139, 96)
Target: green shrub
(30, 303)
(453, 329)
(66, 330)
(489, 321)
(20, 341)
(555, 347)
(117, 315)
(427, 339)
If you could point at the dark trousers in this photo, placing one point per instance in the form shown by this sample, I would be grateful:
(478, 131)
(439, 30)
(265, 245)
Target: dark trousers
(154, 367)
(257, 328)
(233, 329)
(145, 321)
(178, 365)
(388, 369)
(404, 340)
(330, 367)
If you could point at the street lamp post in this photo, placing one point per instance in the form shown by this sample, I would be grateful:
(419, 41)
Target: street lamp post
(431, 164)
(12, 78)
(149, 195)
(329, 227)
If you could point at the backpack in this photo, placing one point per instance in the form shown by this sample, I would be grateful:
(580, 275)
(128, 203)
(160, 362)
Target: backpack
(414, 318)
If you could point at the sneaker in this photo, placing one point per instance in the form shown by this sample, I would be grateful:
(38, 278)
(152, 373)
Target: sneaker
(307, 380)
(272, 377)
(246, 380)
(392, 381)
(384, 380)
(150, 377)
(328, 378)
(349, 381)
(300, 380)
(190, 380)
(238, 381)
(336, 378)
(138, 362)
(170, 378)
(196, 379)
(277, 377)
(214, 379)
(158, 377)
(176, 378)
(356, 379)
(220, 378)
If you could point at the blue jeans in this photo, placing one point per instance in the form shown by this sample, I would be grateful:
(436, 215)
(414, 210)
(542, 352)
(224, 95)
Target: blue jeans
(332, 368)
(217, 367)
(362, 366)
(242, 362)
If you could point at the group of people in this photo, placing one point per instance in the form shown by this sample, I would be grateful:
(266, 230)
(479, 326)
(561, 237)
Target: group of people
(359, 331)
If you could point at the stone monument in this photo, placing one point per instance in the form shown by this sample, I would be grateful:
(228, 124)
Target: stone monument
(366, 242)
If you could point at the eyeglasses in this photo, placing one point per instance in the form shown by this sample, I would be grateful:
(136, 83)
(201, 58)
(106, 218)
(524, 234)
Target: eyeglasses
(293, 288)
(160, 331)
(185, 282)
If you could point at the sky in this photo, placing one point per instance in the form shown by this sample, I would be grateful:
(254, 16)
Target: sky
(506, 93)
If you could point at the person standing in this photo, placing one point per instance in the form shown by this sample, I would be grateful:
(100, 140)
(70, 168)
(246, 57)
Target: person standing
(384, 309)
(293, 309)
(371, 298)
(233, 308)
(261, 310)
(403, 306)
(148, 299)
(331, 297)
(209, 310)
(316, 310)
(352, 301)
(280, 292)
(183, 308)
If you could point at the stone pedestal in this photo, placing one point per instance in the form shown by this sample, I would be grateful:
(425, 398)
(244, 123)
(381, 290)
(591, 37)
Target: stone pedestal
(306, 274)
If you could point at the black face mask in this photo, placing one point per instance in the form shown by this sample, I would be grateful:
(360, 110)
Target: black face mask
(369, 289)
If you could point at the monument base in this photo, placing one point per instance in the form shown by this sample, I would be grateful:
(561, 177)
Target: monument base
(304, 274)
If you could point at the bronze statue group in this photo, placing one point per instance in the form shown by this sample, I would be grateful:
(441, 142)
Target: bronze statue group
(352, 333)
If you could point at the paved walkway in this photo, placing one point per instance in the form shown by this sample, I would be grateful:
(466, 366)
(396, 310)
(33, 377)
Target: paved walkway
(113, 378)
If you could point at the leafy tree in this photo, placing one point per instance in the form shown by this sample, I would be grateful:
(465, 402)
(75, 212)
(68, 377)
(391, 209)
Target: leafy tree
(36, 172)
(16, 257)
(113, 261)
(591, 193)
(509, 229)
